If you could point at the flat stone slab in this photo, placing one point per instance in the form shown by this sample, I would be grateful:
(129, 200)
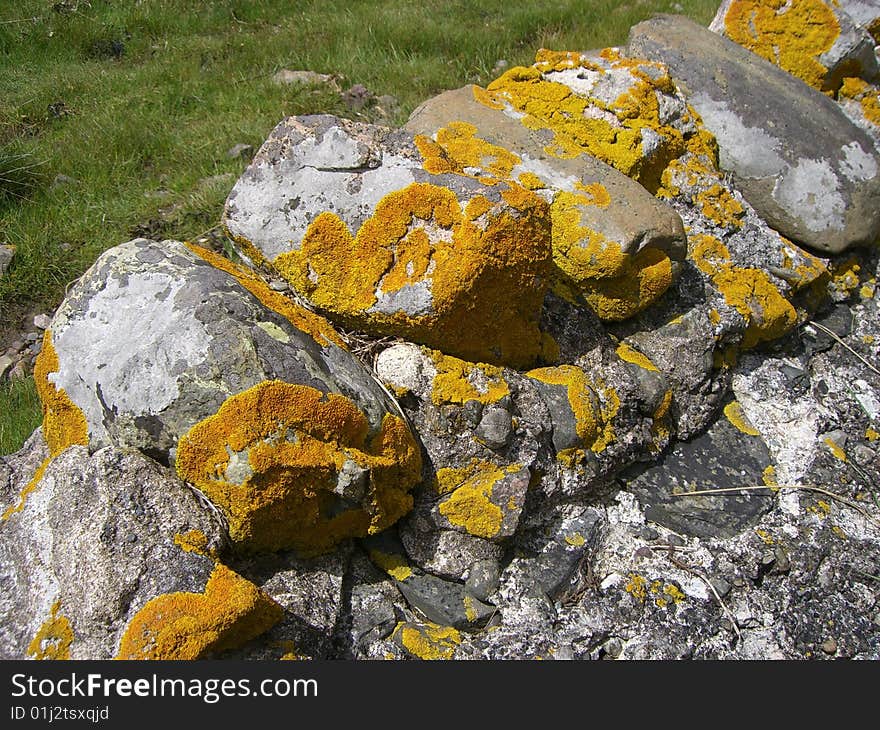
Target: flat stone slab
(805, 168)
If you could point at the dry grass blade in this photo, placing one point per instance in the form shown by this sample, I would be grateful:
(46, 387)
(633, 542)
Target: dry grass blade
(836, 338)
(802, 487)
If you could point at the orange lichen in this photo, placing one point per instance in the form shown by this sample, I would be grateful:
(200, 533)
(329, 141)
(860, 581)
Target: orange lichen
(768, 314)
(720, 207)
(793, 35)
(469, 261)
(300, 317)
(733, 412)
(180, 625)
(867, 95)
(54, 637)
(394, 565)
(628, 354)
(270, 459)
(458, 381)
(193, 541)
(64, 424)
(428, 641)
(456, 148)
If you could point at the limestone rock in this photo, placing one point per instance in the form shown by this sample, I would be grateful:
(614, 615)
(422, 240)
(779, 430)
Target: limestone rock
(808, 171)
(250, 395)
(93, 544)
(6, 254)
(349, 215)
(816, 40)
(608, 232)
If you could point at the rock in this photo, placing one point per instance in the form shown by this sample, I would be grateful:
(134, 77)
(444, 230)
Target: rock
(818, 42)
(97, 547)
(42, 321)
(731, 453)
(7, 252)
(427, 641)
(286, 77)
(19, 370)
(613, 243)
(5, 363)
(357, 97)
(347, 214)
(63, 180)
(483, 579)
(230, 382)
(240, 151)
(495, 427)
(747, 102)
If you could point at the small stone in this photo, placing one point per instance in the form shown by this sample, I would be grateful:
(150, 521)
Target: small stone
(721, 586)
(500, 66)
(676, 540)
(35, 348)
(357, 97)
(42, 321)
(829, 646)
(483, 579)
(6, 253)
(768, 557)
(18, 371)
(472, 411)
(62, 180)
(496, 428)
(240, 151)
(613, 647)
(278, 285)
(863, 455)
(5, 363)
(31, 337)
(648, 533)
(16, 346)
(286, 77)
(783, 563)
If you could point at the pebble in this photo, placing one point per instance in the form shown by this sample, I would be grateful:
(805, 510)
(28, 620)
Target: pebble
(5, 364)
(613, 647)
(31, 337)
(240, 151)
(483, 579)
(829, 646)
(496, 428)
(42, 321)
(278, 285)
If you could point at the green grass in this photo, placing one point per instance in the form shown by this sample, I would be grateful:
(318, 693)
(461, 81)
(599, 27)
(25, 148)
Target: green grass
(19, 413)
(138, 102)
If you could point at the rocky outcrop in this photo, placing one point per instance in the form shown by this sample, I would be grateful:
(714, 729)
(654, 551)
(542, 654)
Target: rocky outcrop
(576, 394)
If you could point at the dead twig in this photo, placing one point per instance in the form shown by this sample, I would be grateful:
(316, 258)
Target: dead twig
(833, 335)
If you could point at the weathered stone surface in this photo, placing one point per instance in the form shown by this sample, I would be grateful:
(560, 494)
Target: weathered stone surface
(730, 453)
(6, 254)
(350, 216)
(816, 40)
(249, 394)
(89, 544)
(809, 172)
(608, 232)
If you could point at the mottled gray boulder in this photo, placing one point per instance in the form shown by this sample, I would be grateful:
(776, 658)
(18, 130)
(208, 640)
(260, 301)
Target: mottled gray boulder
(807, 170)
(220, 370)
(96, 538)
(598, 213)
(6, 254)
(354, 218)
(819, 42)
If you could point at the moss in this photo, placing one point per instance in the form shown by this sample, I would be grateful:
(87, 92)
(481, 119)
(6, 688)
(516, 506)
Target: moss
(394, 565)
(428, 641)
(469, 502)
(458, 381)
(54, 637)
(296, 440)
(64, 424)
(180, 625)
(793, 35)
(593, 404)
(767, 313)
(734, 413)
(470, 260)
(300, 317)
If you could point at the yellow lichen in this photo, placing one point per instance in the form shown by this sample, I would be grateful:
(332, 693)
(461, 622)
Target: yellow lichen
(193, 541)
(294, 441)
(637, 587)
(768, 314)
(793, 35)
(180, 625)
(428, 641)
(421, 234)
(835, 450)
(54, 637)
(720, 207)
(593, 404)
(734, 413)
(64, 424)
(300, 317)
(765, 536)
(768, 476)
(627, 353)
(458, 381)
(456, 149)
(872, 434)
(575, 540)
(395, 565)
(867, 95)
(470, 504)
(845, 275)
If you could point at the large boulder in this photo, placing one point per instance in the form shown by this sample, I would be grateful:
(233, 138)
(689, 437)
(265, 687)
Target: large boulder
(804, 167)
(255, 399)
(613, 243)
(349, 216)
(111, 555)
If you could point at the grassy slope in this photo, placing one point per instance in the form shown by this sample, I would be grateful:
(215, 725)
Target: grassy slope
(139, 101)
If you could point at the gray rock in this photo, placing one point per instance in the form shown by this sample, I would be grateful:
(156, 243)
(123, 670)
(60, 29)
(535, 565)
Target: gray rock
(286, 77)
(483, 579)
(495, 428)
(723, 455)
(7, 252)
(807, 170)
(95, 539)
(208, 338)
(5, 363)
(42, 321)
(240, 151)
